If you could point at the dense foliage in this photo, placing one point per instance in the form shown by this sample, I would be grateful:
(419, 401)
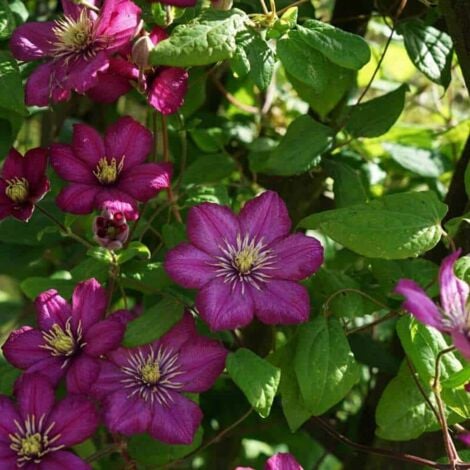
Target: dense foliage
(234, 235)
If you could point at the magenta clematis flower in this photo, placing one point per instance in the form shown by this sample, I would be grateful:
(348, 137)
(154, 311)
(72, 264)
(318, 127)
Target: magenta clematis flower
(279, 461)
(165, 87)
(247, 265)
(453, 316)
(108, 173)
(76, 48)
(35, 433)
(70, 339)
(23, 182)
(142, 388)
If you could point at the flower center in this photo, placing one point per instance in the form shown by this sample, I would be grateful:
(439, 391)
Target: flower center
(107, 172)
(150, 373)
(73, 35)
(31, 445)
(62, 341)
(17, 189)
(246, 259)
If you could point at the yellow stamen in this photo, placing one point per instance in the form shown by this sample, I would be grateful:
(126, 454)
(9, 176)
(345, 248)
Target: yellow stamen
(73, 35)
(17, 189)
(150, 372)
(31, 445)
(62, 342)
(107, 172)
(245, 259)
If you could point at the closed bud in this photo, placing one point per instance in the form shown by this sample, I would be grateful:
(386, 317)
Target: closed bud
(141, 51)
(110, 229)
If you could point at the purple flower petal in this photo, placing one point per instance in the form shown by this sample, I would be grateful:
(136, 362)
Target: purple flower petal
(419, 304)
(7, 455)
(82, 374)
(44, 84)
(224, 307)
(13, 165)
(75, 420)
(176, 423)
(88, 145)
(51, 308)
(35, 166)
(189, 267)
(63, 460)
(69, 167)
(103, 337)
(462, 343)
(77, 198)
(168, 90)
(52, 368)
(465, 438)
(143, 181)
(181, 333)
(282, 461)
(35, 395)
(83, 73)
(454, 292)
(210, 225)
(88, 303)
(9, 416)
(108, 87)
(117, 201)
(265, 217)
(32, 41)
(126, 415)
(202, 360)
(23, 348)
(296, 257)
(129, 139)
(281, 302)
(108, 381)
(23, 212)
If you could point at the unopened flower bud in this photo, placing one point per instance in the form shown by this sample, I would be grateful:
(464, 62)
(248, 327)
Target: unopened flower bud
(110, 229)
(141, 51)
(222, 4)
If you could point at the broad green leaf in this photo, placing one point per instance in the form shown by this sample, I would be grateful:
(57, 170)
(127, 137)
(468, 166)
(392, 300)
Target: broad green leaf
(462, 268)
(89, 268)
(135, 249)
(256, 378)
(402, 412)
(300, 149)
(149, 278)
(324, 364)
(209, 169)
(11, 87)
(393, 227)
(7, 20)
(429, 49)
(33, 286)
(8, 376)
(103, 255)
(340, 47)
(173, 234)
(153, 323)
(375, 117)
(207, 39)
(457, 379)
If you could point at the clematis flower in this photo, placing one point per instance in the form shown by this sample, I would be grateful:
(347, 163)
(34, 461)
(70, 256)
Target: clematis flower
(70, 339)
(453, 316)
(165, 87)
(23, 182)
(142, 388)
(110, 229)
(247, 265)
(35, 433)
(279, 461)
(109, 173)
(75, 48)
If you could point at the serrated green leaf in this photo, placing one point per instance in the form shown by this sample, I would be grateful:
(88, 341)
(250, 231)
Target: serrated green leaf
(393, 227)
(324, 364)
(256, 378)
(207, 39)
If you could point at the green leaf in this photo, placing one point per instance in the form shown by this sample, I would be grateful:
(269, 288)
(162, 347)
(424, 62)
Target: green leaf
(7, 20)
(402, 412)
(149, 278)
(153, 323)
(375, 117)
(457, 379)
(173, 234)
(340, 47)
(33, 286)
(429, 49)
(207, 39)
(209, 169)
(256, 378)
(393, 227)
(324, 364)
(103, 255)
(11, 87)
(133, 250)
(462, 268)
(300, 149)
(8, 376)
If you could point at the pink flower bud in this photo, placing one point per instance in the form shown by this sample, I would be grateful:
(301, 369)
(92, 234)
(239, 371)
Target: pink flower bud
(141, 50)
(110, 229)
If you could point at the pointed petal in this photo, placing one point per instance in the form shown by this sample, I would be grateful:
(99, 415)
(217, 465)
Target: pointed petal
(35, 395)
(224, 308)
(52, 368)
(23, 348)
(13, 165)
(88, 303)
(462, 343)
(109, 380)
(265, 217)
(9, 416)
(419, 304)
(176, 423)
(117, 201)
(168, 90)
(108, 87)
(77, 198)
(88, 145)
(7, 455)
(189, 267)
(130, 139)
(23, 212)
(34, 166)
(282, 461)
(45, 84)
(210, 226)
(51, 308)
(63, 460)
(104, 336)
(33, 40)
(69, 167)
(281, 302)
(83, 74)
(82, 374)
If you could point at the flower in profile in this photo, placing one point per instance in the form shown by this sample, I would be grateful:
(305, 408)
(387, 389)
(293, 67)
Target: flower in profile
(279, 461)
(108, 173)
(110, 229)
(164, 87)
(35, 433)
(142, 388)
(23, 182)
(70, 338)
(247, 265)
(453, 315)
(75, 48)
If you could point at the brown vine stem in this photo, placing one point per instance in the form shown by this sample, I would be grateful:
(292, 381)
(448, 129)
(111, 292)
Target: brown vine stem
(231, 99)
(382, 452)
(388, 316)
(111, 448)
